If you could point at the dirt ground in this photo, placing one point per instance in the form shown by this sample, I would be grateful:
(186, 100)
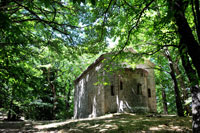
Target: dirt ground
(109, 123)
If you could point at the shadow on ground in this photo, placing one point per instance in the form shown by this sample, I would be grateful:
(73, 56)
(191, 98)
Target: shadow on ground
(108, 123)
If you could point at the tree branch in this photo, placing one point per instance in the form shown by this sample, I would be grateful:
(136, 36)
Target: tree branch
(104, 19)
(197, 18)
(37, 18)
(135, 26)
(157, 50)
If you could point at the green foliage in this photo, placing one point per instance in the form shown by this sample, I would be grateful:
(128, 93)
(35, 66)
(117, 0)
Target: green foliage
(45, 45)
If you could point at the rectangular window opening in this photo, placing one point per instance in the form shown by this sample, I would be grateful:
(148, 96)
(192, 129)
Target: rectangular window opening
(139, 89)
(149, 92)
(112, 90)
(121, 85)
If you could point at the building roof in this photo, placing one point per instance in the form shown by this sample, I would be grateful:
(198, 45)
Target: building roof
(98, 60)
(90, 67)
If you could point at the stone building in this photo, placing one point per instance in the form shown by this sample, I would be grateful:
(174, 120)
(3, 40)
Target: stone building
(98, 92)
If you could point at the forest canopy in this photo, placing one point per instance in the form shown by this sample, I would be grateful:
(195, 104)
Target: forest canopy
(46, 44)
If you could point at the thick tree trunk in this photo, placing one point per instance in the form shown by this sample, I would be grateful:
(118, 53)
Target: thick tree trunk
(195, 108)
(189, 43)
(195, 90)
(185, 33)
(179, 106)
(165, 108)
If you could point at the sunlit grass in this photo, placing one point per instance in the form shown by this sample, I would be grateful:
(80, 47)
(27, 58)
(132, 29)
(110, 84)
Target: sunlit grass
(113, 123)
(127, 123)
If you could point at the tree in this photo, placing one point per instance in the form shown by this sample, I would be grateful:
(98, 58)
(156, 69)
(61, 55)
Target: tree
(149, 26)
(165, 108)
(134, 15)
(39, 33)
(164, 85)
(176, 88)
(190, 43)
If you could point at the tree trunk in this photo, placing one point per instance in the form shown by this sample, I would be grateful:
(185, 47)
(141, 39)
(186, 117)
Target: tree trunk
(9, 115)
(180, 80)
(68, 97)
(188, 42)
(196, 15)
(195, 90)
(67, 101)
(185, 33)
(179, 106)
(165, 108)
(10, 111)
(52, 86)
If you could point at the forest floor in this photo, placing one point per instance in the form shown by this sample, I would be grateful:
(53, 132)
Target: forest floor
(109, 123)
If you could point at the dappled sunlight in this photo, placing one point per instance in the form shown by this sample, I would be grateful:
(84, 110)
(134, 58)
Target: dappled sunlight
(123, 121)
(111, 126)
(132, 124)
(83, 125)
(103, 130)
(159, 127)
(57, 124)
(52, 125)
(107, 121)
(118, 122)
(169, 128)
(95, 126)
(154, 128)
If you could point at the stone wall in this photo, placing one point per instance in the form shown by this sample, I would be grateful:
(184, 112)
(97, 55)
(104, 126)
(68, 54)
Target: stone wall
(92, 98)
(89, 95)
(148, 66)
(110, 100)
(129, 99)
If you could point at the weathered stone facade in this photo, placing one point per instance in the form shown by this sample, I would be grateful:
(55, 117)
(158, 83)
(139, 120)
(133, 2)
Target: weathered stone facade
(129, 90)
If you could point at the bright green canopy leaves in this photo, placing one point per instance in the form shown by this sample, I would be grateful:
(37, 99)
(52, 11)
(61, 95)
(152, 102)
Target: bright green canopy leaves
(46, 44)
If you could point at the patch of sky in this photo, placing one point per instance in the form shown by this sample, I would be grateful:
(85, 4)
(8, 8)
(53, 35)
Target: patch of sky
(112, 43)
